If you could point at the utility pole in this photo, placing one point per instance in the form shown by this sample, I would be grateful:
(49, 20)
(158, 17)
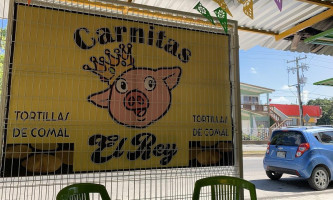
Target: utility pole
(300, 81)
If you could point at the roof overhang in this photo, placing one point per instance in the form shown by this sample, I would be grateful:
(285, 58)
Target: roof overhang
(327, 82)
(255, 89)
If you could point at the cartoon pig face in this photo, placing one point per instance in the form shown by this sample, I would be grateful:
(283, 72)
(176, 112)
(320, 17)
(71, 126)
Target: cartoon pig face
(139, 96)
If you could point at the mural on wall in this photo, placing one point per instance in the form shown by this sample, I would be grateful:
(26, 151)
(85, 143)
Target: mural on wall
(139, 96)
(96, 93)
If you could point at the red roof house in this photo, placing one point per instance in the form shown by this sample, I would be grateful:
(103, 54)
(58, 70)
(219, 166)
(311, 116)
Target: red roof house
(289, 114)
(293, 110)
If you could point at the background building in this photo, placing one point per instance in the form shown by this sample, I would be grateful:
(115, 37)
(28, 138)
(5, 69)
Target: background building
(255, 111)
(288, 115)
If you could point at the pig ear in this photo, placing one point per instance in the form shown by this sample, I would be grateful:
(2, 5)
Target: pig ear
(170, 76)
(100, 99)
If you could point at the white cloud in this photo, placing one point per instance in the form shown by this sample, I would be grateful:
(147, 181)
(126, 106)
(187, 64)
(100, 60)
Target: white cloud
(305, 96)
(253, 70)
(285, 87)
(281, 100)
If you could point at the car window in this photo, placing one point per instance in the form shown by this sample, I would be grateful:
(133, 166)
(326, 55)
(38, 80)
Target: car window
(287, 138)
(326, 137)
(317, 138)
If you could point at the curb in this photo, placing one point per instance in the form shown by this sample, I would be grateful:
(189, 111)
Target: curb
(254, 153)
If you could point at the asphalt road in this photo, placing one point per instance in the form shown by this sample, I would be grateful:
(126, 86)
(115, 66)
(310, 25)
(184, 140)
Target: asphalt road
(288, 187)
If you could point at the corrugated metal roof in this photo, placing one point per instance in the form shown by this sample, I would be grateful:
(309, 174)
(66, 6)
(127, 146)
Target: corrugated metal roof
(267, 17)
(266, 14)
(4, 5)
(293, 110)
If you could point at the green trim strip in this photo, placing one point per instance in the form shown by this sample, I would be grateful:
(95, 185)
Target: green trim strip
(328, 82)
(324, 38)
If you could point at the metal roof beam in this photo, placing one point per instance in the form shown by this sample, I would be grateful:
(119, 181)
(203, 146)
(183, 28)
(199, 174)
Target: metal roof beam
(260, 31)
(294, 44)
(324, 15)
(324, 3)
(317, 48)
(325, 37)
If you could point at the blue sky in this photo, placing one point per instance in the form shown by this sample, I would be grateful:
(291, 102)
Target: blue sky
(268, 68)
(3, 23)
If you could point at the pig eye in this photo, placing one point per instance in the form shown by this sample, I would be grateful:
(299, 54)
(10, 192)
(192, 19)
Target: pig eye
(121, 85)
(150, 83)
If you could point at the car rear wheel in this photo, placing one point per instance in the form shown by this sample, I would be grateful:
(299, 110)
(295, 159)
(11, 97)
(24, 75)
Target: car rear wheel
(274, 175)
(319, 179)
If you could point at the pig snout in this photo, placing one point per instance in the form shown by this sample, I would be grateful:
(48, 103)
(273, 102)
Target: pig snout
(137, 102)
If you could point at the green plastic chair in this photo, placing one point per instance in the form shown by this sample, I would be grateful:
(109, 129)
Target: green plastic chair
(81, 191)
(224, 187)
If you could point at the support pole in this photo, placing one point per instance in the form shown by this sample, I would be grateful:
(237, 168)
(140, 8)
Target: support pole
(298, 86)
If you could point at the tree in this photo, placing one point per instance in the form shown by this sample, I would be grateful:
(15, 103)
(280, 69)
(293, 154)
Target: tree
(327, 110)
(3, 33)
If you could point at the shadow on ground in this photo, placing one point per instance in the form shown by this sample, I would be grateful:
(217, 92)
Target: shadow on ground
(286, 185)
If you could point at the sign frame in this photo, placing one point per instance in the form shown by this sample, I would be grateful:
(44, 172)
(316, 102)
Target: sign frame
(234, 73)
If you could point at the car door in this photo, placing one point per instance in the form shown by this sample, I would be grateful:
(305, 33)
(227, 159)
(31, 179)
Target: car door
(326, 139)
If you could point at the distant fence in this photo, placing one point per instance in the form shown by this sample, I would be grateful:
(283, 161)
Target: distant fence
(255, 134)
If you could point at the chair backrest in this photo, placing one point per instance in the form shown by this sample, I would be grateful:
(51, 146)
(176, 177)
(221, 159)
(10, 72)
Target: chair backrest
(81, 191)
(224, 187)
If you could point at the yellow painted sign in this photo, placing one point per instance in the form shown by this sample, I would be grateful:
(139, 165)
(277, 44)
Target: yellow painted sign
(116, 93)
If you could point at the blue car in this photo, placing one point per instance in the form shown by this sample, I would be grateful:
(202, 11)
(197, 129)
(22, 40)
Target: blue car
(303, 151)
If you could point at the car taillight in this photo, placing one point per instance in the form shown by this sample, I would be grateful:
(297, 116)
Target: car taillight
(267, 151)
(301, 149)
